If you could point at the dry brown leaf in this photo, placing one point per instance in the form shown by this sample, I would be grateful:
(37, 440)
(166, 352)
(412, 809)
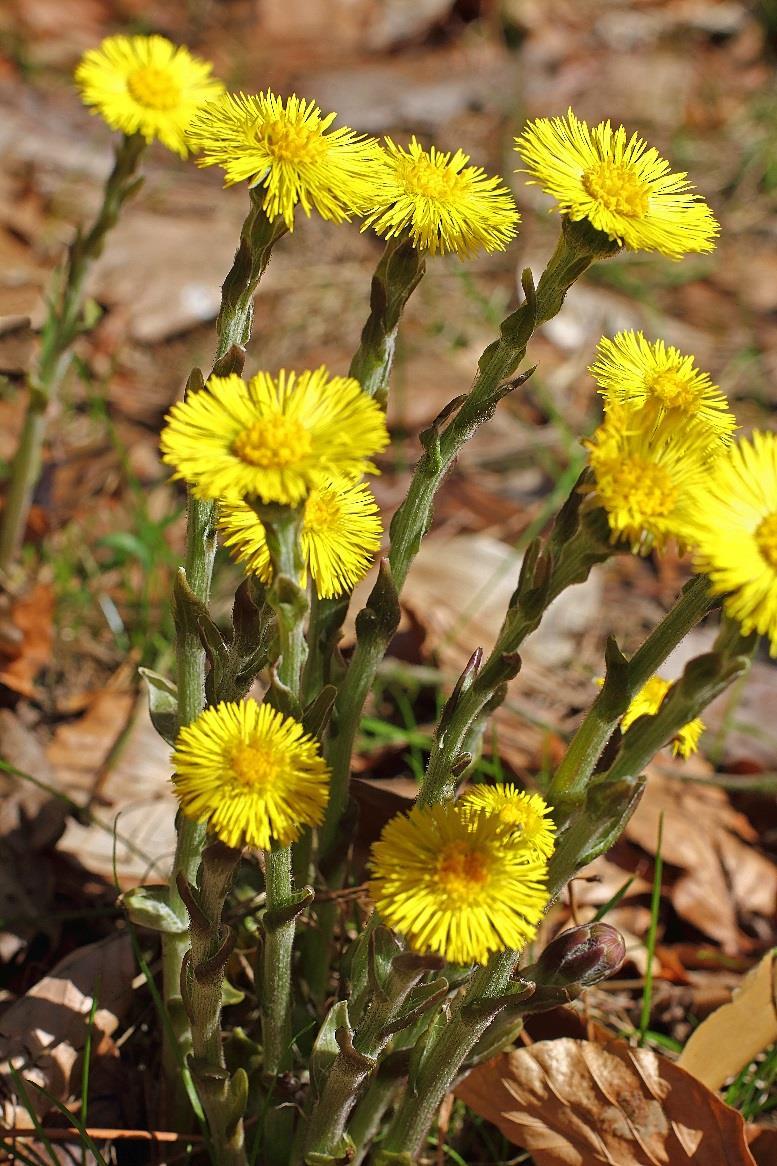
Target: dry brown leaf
(43, 1033)
(32, 615)
(575, 1103)
(762, 1141)
(722, 870)
(735, 1034)
(31, 820)
(136, 809)
(150, 265)
(459, 589)
(79, 749)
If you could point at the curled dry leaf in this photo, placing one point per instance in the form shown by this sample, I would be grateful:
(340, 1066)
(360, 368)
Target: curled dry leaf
(722, 872)
(735, 1034)
(133, 827)
(576, 1103)
(43, 1034)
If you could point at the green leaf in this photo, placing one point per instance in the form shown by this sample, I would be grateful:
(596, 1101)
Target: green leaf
(162, 704)
(326, 1049)
(150, 907)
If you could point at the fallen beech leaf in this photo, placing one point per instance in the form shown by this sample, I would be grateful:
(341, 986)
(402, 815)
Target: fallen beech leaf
(762, 1141)
(43, 1034)
(136, 807)
(722, 870)
(79, 749)
(575, 1103)
(735, 1034)
(459, 589)
(32, 615)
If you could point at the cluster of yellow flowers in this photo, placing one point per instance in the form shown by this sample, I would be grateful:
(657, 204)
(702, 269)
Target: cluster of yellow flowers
(665, 465)
(468, 878)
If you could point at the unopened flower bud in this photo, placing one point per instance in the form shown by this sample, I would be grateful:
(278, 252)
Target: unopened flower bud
(582, 955)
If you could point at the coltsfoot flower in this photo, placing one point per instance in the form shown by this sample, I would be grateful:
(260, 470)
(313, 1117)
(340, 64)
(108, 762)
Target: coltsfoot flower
(733, 530)
(444, 204)
(252, 775)
(621, 185)
(288, 149)
(456, 883)
(526, 815)
(146, 85)
(648, 701)
(340, 536)
(273, 438)
(645, 474)
(631, 371)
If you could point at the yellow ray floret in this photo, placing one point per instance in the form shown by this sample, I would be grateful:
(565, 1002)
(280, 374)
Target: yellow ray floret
(288, 149)
(456, 883)
(527, 815)
(340, 536)
(648, 701)
(621, 185)
(442, 203)
(273, 438)
(252, 775)
(146, 85)
(733, 530)
(631, 371)
(645, 474)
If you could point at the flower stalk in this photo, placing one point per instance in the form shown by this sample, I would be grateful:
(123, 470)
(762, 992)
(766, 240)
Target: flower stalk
(587, 828)
(223, 1094)
(622, 680)
(398, 274)
(289, 601)
(393, 974)
(257, 238)
(577, 248)
(65, 321)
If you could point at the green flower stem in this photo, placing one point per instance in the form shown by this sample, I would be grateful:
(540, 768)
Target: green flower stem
(398, 274)
(289, 601)
(547, 571)
(578, 247)
(585, 831)
(443, 1060)
(257, 238)
(621, 684)
(276, 964)
(359, 1053)
(399, 271)
(64, 322)
(223, 1095)
(704, 678)
(369, 1114)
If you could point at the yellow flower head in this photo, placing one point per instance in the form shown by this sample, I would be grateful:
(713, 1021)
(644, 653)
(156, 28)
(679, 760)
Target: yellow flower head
(631, 371)
(623, 187)
(285, 148)
(648, 701)
(526, 815)
(456, 883)
(146, 85)
(444, 204)
(733, 529)
(273, 438)
(341, 533)
(645, 473)
(254, 776)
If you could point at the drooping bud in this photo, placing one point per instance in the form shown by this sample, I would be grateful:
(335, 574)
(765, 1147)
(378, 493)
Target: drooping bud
(582, 955)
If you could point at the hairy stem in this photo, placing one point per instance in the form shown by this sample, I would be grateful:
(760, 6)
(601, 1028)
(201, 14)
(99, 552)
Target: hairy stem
(257, 238)
(576, 250)
(223, 1095)
(64, 322)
